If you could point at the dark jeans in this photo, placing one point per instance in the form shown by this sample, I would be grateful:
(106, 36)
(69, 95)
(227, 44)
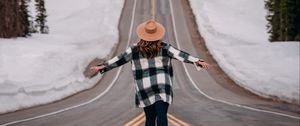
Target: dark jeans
(157, 111)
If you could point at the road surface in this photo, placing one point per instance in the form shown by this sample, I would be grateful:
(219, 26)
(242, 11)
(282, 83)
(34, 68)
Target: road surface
(205, 98)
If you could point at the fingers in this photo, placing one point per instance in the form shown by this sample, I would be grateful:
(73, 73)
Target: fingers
(92, 68)
(95, 69)
(204, 65)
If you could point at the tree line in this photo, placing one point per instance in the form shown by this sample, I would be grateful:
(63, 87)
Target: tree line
(283, 20)
(16, 21)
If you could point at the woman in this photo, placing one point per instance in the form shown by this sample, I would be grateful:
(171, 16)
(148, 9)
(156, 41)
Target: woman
(151, 65)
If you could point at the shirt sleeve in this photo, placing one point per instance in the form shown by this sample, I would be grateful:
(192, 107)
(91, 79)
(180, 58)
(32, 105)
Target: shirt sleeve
(181, 55)
(117, 60)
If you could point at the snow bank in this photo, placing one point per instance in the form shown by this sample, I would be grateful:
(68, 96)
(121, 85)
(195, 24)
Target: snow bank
(44, 68)
(235, 34)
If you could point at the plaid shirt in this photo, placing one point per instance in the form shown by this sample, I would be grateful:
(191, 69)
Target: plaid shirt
(153, 77)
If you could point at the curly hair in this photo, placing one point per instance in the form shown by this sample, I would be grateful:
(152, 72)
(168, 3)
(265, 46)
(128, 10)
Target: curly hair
(149, 49)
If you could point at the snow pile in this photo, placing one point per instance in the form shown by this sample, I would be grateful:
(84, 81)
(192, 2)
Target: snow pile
(236, 36)
(44, 68)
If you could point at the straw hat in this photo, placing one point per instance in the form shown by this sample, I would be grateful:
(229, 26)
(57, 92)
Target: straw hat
(150, 30)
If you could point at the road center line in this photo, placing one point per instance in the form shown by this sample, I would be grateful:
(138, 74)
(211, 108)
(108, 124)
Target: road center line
(140, 119)
(177, 121)
(214, 99)
(92, 100)
(136, 120)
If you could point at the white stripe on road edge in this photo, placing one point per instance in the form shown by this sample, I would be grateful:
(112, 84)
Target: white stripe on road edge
(92, 100)
(218, 100)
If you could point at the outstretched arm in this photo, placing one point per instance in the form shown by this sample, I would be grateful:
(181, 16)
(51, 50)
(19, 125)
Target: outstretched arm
(114, 62)
(185, 57)
(181, 55)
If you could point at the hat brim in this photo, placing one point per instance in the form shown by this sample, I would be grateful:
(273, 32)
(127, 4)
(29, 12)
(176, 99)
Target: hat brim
(158, 35)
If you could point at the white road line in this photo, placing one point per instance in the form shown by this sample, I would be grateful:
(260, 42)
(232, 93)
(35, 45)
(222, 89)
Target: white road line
(214, 99)
(92, 100)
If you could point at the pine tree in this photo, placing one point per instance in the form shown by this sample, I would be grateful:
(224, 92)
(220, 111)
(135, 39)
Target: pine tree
(41, 16)
(269, 4)
(25, 18)
(283, 20)
(297, 20)
(273, 19)
(293, 20)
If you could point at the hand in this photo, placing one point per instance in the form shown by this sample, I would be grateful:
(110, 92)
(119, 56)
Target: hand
(96, 69)
(203, 64)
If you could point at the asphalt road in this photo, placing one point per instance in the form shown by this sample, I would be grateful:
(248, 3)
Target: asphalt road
(205, 98)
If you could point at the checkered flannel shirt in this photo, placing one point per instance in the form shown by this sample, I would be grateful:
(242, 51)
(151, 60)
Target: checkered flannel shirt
(153, 77)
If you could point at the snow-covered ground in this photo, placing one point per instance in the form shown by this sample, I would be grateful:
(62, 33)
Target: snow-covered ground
(43, 68)
(235, 34)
